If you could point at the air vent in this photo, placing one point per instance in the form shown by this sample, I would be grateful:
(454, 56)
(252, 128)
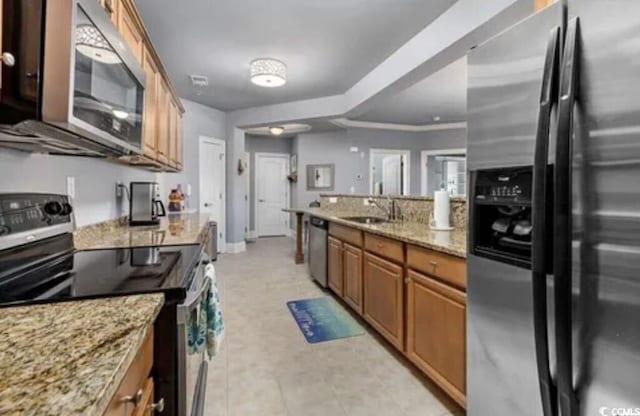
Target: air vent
(199, 80)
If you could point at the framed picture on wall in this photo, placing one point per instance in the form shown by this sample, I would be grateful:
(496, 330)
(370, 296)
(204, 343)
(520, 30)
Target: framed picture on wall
(294, 164)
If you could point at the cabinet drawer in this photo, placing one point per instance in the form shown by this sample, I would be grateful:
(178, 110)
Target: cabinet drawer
(448, 268)
(385, 247)
(133, 381)
(348, 234)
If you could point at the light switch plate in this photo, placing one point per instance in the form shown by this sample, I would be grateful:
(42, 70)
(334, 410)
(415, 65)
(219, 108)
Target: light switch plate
(188, 189)
(353, 149)
(71, 187)
(333, 199)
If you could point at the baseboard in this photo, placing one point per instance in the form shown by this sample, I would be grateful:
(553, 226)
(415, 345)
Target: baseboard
(252, 234)
(291, 233)
(233, 248)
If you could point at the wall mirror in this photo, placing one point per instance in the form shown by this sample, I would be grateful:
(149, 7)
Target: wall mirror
(320, 177)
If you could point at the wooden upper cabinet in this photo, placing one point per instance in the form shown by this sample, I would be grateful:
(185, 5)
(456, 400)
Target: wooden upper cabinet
(334, 265)
(173, 148)
(352, 280)
(180, 141)
(383, 298)
(112, 7)
(151, 104)
(163, 122)
(436, 332)
(130, 29)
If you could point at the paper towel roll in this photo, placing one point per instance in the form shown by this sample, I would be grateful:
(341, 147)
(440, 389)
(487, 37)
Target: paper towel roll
(441, 209)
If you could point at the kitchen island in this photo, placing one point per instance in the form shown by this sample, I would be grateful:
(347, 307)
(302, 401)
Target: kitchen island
(69, 358)
(174, 229)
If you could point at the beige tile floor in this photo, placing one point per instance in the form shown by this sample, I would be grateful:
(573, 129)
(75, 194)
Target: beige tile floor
(266, 367)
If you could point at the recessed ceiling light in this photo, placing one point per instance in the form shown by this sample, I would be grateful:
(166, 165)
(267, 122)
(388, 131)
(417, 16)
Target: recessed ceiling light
(276, 130)
(436, 118)
(269, 73)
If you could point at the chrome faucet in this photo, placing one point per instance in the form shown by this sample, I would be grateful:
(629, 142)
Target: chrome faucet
(390, 210)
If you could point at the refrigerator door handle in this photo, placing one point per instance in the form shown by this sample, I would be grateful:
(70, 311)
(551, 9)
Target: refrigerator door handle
(562, 223)
(541, 195)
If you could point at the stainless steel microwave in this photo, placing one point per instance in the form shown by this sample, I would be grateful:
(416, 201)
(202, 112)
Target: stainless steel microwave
(70, 84)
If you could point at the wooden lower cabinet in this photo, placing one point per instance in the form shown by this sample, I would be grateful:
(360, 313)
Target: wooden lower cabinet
(334, 265)
(436, 332)
(145, 407)
(125, 401)
(383, 298)
(352, 278)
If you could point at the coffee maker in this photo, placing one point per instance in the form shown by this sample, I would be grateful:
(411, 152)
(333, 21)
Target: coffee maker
(145, 206)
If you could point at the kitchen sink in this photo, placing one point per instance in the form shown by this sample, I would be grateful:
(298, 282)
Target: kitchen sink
(366, 220)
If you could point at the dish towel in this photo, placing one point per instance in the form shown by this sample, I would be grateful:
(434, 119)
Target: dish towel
(206, 326)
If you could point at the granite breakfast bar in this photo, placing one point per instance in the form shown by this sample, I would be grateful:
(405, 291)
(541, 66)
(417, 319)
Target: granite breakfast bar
(69, 358)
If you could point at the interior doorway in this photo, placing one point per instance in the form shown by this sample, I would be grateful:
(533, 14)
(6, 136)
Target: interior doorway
(443, 169)
(272, 194)
(389, 172)
(212, 183)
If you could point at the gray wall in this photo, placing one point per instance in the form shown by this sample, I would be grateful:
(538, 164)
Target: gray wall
(199, 120)
(95, 181)
(262, 144)
(352, 169)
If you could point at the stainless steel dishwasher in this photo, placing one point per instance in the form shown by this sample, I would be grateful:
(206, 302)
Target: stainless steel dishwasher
(318, 250)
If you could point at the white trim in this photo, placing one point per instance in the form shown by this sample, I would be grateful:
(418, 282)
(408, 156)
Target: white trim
(256, 156)
(252, 234)
(424, 154)
(407, 170)
(247, 205)
(345, 122)
(212, 140)
(235, 248)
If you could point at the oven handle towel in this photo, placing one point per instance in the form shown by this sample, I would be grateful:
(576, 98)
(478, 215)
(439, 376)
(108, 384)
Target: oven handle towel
(206, 326)
(213, 309)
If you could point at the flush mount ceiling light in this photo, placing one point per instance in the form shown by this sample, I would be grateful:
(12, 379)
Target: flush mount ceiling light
(269, 73)
(91, 43)
(287, 129)
(276, 130)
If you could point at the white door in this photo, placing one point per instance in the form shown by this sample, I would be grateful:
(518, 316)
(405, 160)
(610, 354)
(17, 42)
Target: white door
(212, 188)
(272, 194)
(392, 175)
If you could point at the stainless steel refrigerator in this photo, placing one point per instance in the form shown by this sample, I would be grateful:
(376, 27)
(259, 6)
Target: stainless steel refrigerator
(553, 319)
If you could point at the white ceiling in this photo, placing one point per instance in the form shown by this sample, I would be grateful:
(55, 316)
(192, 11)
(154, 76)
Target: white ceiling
(443, 94)
(328, 45)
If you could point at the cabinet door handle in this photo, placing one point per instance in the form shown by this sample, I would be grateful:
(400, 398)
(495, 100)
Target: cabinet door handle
(433, 263)
(158, 406)
(406, 280)
(135, 399)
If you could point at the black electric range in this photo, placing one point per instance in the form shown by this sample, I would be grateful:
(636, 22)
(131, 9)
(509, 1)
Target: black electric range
(38, 264)
(50, 270)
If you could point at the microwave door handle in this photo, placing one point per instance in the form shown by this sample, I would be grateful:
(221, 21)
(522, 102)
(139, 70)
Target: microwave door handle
(161, 212)
(540, 231)
(562, 223)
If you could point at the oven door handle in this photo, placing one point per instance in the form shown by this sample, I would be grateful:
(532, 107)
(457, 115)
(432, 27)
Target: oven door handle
(193, 300)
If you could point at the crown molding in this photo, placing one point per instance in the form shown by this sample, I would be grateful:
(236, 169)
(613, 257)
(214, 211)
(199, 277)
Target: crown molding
(360, 124)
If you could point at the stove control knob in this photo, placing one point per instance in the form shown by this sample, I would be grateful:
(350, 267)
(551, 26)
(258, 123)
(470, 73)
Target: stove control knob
(53, 208)
(67, 209)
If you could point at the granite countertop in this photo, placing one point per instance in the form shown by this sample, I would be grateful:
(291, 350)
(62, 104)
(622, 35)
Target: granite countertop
(69, 358)
(451, 242)
(174, 229)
